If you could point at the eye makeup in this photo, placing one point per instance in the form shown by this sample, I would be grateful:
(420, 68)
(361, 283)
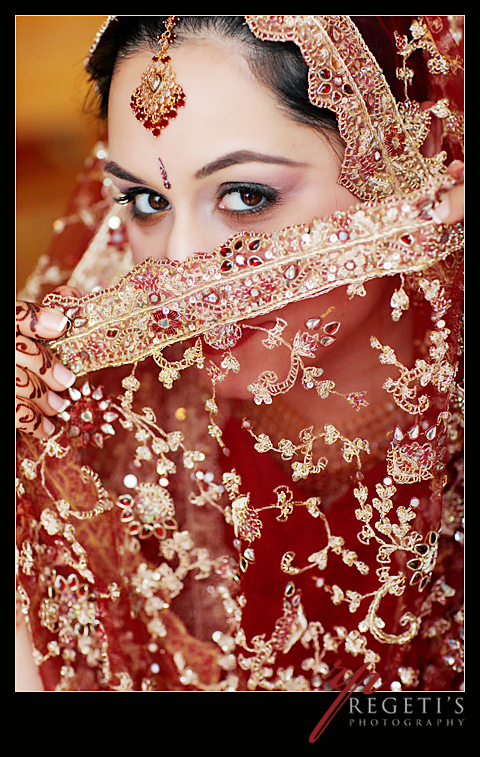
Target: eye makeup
(145, 204)
(246, 197)
(238, 199)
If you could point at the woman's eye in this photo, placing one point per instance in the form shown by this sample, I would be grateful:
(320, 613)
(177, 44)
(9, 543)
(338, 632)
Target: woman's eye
(143, 203)
(240, 200)
(148, 203)
(247, 199)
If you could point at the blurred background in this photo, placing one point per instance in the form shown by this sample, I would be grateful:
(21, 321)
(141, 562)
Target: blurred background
(54, 135)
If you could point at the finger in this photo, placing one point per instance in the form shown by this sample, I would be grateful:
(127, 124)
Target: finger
(456, 169)
(31, 387)
(30, 420)
(452, 207)
(35, 356)
(68, 291)
(39, 322)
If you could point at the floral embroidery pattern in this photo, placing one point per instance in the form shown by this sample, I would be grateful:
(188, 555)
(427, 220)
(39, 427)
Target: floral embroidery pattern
(89, 415)
(165, 322)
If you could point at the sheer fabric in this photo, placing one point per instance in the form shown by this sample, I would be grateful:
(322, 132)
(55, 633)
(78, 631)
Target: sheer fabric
(214, 517)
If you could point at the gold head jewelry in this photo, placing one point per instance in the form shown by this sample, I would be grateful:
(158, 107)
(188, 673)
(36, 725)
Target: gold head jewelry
(98, 38)
(156, 100)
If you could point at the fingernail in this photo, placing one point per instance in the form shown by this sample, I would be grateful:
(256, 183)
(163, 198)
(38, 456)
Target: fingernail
(442, 211)
(48, 426)
(57, 403)
(52, 320)
(63, 375)
(458, 168)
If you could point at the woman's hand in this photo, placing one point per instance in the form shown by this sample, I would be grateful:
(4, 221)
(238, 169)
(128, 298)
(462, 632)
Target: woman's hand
(39, 374)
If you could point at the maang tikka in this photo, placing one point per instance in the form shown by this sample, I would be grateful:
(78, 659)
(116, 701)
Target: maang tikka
(157, 98)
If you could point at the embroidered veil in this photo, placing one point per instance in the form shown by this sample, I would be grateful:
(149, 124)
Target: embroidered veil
(173, 536)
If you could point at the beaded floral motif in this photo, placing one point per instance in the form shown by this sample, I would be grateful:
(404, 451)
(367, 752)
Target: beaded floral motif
(395, 536)
(304, 345)
(89, 415)
(149, 513)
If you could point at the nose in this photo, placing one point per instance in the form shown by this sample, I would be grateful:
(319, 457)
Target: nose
(186, 237)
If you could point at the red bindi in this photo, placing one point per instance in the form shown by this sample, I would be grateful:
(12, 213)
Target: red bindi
(166, 182)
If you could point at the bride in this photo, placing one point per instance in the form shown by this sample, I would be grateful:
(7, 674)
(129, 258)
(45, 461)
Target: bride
(212, 526)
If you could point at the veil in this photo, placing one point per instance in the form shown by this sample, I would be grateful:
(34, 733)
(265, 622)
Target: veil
(226, 505)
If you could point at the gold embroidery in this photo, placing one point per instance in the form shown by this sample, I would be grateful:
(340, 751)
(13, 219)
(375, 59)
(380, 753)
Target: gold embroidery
(439, 372)
(287, 449)
(375, 624)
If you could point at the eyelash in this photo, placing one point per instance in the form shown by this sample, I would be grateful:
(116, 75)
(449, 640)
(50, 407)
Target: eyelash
(270, 198)
(129, 197)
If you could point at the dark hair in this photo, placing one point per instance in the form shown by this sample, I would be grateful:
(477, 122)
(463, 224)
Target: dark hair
(278, 65)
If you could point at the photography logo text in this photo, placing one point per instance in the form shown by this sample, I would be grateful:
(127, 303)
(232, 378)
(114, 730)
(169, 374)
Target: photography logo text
(358, 704)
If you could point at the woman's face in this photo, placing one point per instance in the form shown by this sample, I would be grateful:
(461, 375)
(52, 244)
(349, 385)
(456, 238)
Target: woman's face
(234, 161)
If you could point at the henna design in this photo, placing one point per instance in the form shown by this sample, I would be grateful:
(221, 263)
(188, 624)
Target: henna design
(41, 350)
(27, 310)
(38, 386)
(32, 417)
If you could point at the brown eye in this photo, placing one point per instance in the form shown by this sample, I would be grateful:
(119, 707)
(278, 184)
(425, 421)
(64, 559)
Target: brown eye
(157, 202)
(248, 198)
(251, 198)
(148, 203)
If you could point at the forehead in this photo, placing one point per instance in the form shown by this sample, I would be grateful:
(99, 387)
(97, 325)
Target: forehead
(226, 108)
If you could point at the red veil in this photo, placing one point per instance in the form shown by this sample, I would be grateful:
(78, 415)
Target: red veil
(172, 539)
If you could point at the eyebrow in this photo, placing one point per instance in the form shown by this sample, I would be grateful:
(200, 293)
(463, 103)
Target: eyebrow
(242, 156)
(120, 173)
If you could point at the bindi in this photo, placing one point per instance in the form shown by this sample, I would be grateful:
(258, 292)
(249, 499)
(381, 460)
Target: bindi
(163, 171)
